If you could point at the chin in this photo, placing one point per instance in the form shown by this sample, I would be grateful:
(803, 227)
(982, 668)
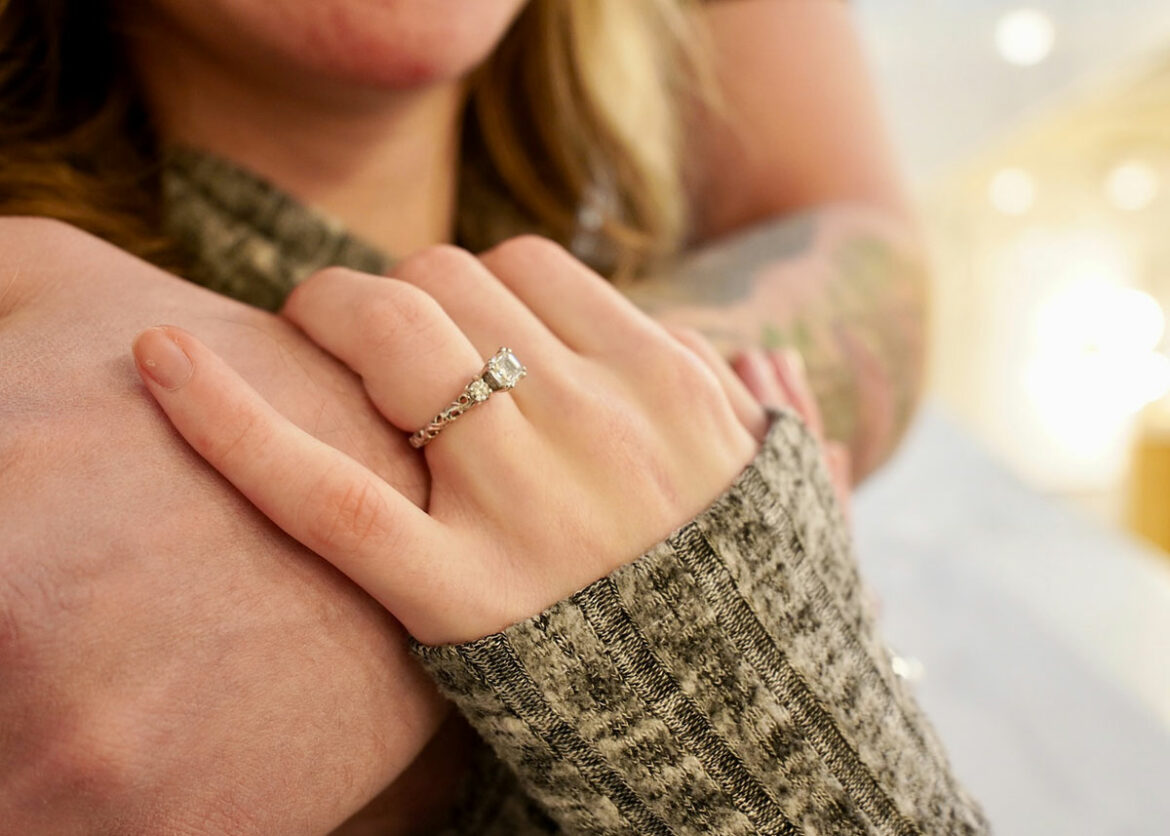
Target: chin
(400, 53)
(383, 43)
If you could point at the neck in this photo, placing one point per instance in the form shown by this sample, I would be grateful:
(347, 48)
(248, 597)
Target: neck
(383, 162)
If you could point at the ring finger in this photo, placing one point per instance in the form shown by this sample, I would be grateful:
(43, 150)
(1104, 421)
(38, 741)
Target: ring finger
(481, 304)
(413, 358)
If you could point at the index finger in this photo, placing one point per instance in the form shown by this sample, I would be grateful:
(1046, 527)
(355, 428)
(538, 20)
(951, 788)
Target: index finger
(315, 493)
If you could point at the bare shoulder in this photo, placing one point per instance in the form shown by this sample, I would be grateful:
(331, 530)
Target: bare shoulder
(44, 260)
(23, 237)
(28, 248)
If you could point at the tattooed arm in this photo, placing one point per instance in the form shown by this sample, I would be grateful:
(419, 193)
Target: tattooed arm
(838, 285)
(804, 238)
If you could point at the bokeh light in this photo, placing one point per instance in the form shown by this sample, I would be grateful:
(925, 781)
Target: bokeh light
(1095, 366)
(1096, 317)
(1025, 37)
(1132, 185)
(1012, 191)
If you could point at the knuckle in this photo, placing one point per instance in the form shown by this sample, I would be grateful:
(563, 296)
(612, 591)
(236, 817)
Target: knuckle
(320, 280)
(344, 515)
(332, 274)
(104, 763)
(526, 249)
(84, 757)
(568, 390)
(317, 283)
(682, 376)
(434, 264)
(685, 373)
(248, 434)
(396, 308)
(692, 338)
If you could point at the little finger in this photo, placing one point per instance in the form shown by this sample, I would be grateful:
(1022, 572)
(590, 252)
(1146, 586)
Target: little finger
(791, 372)
(747, 407)
(758, 374)
(840, 467)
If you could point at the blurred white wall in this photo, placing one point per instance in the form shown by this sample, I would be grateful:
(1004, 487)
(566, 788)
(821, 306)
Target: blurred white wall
(946, 88)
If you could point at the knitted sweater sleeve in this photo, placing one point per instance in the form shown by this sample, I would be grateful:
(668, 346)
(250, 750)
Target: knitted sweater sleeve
(729, 681)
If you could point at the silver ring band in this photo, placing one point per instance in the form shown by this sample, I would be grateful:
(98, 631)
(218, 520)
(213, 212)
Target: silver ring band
(499, 374)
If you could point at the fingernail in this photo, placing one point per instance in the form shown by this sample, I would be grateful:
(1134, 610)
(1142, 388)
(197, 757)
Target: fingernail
(161, 358)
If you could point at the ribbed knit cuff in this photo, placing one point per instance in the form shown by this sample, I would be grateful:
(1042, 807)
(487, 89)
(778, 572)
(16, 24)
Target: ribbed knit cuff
(727, 681)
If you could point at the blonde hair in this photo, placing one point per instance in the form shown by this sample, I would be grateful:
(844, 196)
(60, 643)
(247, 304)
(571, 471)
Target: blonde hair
(573, 129)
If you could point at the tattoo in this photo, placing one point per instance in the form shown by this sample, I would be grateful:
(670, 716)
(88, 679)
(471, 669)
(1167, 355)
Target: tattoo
(704, 277)
(833, 285)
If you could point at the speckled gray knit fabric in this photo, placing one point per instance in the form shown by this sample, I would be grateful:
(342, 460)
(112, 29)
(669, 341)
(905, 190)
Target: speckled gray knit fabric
(246, 239)
(728, 681)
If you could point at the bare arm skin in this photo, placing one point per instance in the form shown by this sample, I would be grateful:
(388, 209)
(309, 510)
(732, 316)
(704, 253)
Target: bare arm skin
(170, 662)
(830, 264)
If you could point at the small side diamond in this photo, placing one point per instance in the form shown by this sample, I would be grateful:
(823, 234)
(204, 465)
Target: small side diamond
(478, 390)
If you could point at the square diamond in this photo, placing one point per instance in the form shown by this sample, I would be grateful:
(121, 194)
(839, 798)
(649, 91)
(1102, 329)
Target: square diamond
(504, 370)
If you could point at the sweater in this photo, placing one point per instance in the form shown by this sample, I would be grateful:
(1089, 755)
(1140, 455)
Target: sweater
(729, 681)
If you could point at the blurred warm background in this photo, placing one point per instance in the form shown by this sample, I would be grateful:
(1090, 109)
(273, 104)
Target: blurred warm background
(1021, 539)
(1038, 138)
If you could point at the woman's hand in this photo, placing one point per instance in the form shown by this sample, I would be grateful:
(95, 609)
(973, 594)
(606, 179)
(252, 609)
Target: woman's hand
(618, 435)
(761, 379)
(776, 379)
